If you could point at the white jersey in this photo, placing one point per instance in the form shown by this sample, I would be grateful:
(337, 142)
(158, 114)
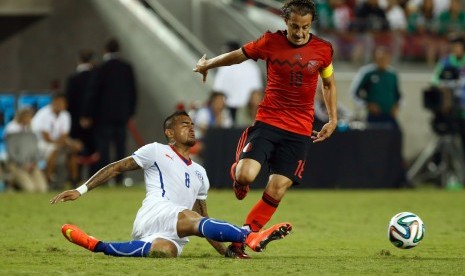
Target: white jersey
(45, 120)
(169, 176)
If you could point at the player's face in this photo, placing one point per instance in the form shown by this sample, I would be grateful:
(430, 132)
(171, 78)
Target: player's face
(457, 49)
(184, 131)
(383, 59)
(298, 28)
(59, 104)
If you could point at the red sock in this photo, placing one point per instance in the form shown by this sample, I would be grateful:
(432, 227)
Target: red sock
(262, 212)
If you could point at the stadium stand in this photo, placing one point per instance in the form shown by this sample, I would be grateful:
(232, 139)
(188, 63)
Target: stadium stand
(34, 100)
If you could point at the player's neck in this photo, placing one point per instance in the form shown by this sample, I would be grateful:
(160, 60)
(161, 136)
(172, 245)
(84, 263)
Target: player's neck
(182, 151)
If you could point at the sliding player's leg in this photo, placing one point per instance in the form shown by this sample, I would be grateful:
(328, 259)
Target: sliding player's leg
(134, 248)
(190, 223)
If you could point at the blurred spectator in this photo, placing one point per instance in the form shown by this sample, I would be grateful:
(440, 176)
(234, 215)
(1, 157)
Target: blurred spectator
(325, 12)
(23, 153)
(452, 20)
(334, 17)
(404, 3)
(76, 87)
(422, 40)
(214, 114)
(110, 104)
(398, 24)
(371, 26)
(369, 16)
(342, 15)
(449, 76)
(421, 19)
(246, 115)
(453, 63)
(439, 5)
(52, 124)
(396, 16)
(238, 81)
(376, 86)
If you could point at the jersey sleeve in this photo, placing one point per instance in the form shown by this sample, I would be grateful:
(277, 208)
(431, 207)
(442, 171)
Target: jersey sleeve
(146, 155)
(328, 58)
(256, 49)
(202, 195)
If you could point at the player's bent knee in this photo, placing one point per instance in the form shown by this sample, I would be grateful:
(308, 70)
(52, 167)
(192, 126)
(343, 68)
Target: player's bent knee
(244, 179)
(246, 171)
(162, 248)
(188, 223)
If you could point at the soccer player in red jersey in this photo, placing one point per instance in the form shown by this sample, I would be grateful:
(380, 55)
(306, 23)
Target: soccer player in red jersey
(282, 130)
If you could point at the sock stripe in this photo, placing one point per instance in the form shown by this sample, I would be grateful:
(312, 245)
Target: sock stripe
(221, 231)
(225, 223)
(124, 253)
(202, 224)
(143, 249)
(270, 201)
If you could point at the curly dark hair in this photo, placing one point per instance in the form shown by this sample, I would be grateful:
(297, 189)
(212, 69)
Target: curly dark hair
(301, 7)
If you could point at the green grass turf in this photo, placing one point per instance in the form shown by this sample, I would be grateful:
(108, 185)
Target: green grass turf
(335, 232)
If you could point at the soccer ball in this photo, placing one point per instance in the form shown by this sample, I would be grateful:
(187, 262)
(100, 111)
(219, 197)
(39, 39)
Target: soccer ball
(406, 230)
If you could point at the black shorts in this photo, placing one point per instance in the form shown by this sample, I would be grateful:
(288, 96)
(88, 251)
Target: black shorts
(284, 152)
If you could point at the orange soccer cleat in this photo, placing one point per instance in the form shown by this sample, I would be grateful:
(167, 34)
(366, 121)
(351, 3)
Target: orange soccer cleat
(257, 241)
(79, 237)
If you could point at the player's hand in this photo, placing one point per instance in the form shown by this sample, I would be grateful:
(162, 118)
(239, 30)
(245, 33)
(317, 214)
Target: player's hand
(374, 108)
(325, 132)
(65, 196)
(394, 111)
(201, 67)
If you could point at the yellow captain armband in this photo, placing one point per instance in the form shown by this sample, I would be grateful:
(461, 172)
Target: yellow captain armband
(327, 72)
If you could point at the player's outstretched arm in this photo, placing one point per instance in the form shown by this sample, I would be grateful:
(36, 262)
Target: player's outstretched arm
(200, 206)
(330, 98)
(204, 64)
(100, 177)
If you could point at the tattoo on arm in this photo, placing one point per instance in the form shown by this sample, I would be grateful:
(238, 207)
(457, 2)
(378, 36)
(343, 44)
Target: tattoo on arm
(110, 171)
(200, 206)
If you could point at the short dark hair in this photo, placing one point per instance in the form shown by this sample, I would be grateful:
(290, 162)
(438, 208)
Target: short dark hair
(301, 7)
(112, 45)
(85, 55)
(168, 123)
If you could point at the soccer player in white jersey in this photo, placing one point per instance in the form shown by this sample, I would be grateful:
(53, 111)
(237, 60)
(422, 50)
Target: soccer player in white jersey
(175, 203)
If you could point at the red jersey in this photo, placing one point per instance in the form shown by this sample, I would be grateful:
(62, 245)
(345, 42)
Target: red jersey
(292, 79)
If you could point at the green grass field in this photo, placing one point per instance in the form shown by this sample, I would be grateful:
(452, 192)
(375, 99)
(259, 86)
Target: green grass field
(335, 232)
